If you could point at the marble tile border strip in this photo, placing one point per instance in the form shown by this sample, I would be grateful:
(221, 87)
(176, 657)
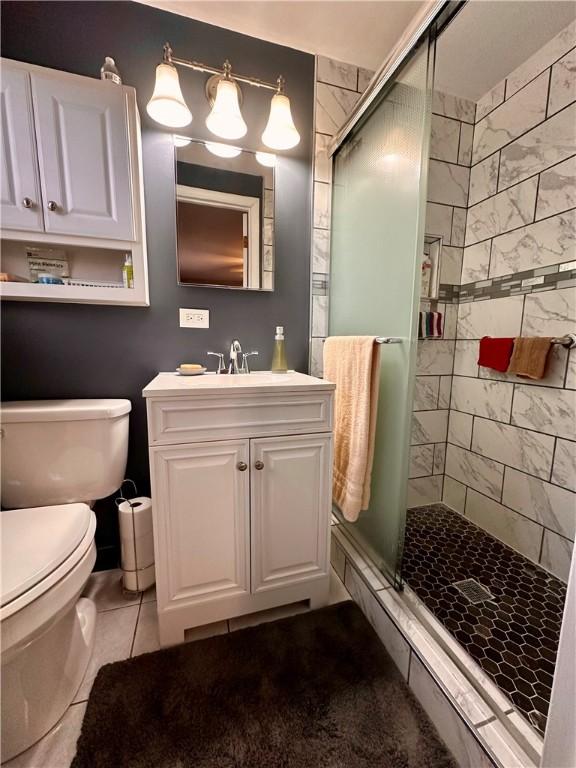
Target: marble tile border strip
(470, 725)
(550, 278)
(320, 283)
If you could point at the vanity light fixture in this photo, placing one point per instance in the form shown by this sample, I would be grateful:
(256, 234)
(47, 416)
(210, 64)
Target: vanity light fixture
(167, 105)
(222, 150)
(225, 119)
(266, 158)
(280, 131)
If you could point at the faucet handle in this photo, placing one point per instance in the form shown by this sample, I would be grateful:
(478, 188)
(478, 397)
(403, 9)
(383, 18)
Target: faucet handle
(220, 356)
(245, 363)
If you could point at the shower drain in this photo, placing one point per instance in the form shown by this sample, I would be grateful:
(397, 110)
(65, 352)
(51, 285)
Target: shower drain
(473, 591)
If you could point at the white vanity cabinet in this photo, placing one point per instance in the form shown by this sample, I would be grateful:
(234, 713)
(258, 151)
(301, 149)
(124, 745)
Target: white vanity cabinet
(241, 472)
(71, 181)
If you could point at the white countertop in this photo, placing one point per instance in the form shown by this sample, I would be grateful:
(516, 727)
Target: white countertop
(172, 384)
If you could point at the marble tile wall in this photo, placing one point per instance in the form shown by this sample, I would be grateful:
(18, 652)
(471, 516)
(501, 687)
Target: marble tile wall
(448, 185)
(511, 453)
(338, 87)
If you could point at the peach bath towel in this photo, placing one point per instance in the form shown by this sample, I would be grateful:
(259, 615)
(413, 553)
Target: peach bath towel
(530, 356)
(353, 364)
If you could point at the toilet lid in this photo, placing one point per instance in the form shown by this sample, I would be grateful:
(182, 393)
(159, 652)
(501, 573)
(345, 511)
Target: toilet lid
(36, 541)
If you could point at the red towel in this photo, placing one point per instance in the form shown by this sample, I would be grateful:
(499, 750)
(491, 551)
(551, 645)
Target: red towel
(495, 353)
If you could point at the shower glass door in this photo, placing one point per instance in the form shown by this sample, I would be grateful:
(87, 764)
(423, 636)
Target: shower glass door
(378, 209)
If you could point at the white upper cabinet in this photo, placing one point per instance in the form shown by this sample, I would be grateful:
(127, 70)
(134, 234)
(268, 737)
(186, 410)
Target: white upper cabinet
(20, 186)
(72, 198)
(82, 136)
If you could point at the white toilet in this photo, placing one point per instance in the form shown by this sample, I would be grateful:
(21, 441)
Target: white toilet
(55, 454)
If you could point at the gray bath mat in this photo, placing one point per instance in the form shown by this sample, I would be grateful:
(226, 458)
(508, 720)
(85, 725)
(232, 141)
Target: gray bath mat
(316, 690)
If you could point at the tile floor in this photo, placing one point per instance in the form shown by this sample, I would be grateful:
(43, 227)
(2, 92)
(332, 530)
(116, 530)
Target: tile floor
(513, 637)
(127, 627)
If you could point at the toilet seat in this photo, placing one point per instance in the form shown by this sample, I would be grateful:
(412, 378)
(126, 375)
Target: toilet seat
(40, 546)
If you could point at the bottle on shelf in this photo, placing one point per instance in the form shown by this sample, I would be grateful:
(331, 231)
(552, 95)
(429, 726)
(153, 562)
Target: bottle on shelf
(128, 272)
(109, 71)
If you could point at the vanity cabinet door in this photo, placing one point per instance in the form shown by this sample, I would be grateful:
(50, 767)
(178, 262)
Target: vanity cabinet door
(201, 520)
(290, 509)
(20, 186)
(84, 156)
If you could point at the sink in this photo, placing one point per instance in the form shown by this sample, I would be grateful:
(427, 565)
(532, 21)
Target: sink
(171, 384)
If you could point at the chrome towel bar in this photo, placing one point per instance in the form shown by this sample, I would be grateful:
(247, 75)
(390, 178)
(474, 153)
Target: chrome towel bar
(569, 340)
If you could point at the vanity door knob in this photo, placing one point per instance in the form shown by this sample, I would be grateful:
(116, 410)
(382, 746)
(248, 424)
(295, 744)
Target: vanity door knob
(259, 465)
(27, 202)
(52, 206)
(242, 466)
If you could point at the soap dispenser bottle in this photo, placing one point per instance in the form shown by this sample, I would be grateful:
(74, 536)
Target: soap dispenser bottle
(279, 364)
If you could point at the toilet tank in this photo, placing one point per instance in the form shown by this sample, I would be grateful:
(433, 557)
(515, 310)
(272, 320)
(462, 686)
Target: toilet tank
(62, 451)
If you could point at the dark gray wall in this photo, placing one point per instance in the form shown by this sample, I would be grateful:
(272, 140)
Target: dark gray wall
(67, 350)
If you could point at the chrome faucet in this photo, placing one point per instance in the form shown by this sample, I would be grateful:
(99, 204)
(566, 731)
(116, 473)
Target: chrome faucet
(221, 365)
(245, 364)
(238, 359)
(235, 350)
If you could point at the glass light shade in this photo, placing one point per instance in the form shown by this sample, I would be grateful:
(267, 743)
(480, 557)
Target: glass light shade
(222, 150)
(225, 119)
(280, 132)
(181, 141)
(266, 158)
(167, 105)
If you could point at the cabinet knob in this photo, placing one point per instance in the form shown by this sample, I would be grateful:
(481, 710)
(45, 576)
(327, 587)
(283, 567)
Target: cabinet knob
(27, 202)
(242, 466)
(259, 465)
(52, 206)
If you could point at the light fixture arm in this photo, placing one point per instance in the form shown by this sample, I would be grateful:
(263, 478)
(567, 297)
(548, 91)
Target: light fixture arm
(225, 72)
(167, 54)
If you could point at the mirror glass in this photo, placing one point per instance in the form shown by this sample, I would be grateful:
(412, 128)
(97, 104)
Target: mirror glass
(225, 216)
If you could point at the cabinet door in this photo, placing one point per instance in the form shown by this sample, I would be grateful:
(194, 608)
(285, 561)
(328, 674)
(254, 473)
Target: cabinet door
(290, 509)
(201, 521)
(84, 156)
(21, 206)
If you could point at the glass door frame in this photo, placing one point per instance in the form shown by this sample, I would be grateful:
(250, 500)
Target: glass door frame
(432, 18)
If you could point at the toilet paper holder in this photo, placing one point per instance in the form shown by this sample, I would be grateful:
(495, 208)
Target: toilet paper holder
(136, 540)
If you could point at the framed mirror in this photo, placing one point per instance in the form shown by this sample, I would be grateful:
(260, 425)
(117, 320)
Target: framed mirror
(224, 216)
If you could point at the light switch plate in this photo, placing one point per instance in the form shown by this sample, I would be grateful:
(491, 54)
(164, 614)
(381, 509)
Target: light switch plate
(194, 318)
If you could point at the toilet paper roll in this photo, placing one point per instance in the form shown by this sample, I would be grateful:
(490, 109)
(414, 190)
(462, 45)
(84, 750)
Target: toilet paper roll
(137, 541)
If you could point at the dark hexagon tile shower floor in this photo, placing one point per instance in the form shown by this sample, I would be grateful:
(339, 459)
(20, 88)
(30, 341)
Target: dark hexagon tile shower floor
(515, 637)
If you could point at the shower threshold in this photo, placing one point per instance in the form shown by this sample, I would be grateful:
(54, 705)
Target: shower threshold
(507, 616)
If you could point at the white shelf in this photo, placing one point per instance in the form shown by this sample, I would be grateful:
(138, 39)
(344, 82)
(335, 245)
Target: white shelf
(72, 293)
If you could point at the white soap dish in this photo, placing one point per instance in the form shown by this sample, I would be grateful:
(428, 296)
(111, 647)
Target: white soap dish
(196, 372)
